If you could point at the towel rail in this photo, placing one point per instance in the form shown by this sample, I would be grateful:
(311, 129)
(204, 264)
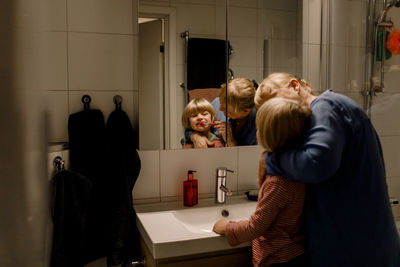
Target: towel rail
(185, 35)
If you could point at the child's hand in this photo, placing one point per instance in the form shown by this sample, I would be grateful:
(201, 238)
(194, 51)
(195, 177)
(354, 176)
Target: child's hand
(220, 226)
(262, 169)
(199, 140)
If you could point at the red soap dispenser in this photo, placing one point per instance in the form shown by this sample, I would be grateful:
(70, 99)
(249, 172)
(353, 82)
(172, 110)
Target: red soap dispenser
(190, 190)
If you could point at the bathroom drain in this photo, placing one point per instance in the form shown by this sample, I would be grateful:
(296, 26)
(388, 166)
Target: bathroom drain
(225, 213)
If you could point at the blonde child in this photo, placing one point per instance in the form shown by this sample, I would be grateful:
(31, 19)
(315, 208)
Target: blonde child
(198, 116)
(275, 226)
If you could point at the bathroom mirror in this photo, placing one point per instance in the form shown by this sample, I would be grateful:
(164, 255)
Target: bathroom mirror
(265, 37)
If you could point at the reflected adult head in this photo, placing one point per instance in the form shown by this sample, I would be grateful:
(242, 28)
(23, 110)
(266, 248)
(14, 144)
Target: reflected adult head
(241, 92)
(281, 84)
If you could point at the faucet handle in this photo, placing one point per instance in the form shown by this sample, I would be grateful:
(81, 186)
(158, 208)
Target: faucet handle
(221, 171)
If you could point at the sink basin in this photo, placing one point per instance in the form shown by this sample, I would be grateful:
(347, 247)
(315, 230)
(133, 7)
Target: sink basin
(184, 231)
(201, 220)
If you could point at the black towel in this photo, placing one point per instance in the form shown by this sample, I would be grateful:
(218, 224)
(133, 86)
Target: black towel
(86, 130)
(70, 194)
(123, 164)
(206, 63)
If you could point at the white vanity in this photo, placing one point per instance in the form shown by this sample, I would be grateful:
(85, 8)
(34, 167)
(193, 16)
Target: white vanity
(174, 235)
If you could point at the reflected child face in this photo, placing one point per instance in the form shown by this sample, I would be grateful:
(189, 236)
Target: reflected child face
(197, 120)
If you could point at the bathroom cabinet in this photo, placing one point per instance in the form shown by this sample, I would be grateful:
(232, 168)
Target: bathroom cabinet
(236, 257)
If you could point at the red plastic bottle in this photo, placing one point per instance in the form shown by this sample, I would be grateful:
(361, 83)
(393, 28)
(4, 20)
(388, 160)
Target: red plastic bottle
(190, 186)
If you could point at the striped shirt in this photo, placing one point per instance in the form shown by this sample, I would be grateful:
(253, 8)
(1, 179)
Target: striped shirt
(275, 226)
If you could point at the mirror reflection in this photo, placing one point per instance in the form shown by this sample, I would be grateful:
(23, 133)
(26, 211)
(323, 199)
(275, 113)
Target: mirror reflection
(264, 37)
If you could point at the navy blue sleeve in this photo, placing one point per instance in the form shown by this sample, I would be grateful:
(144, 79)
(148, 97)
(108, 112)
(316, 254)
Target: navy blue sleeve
(319, 157)
(188, 133)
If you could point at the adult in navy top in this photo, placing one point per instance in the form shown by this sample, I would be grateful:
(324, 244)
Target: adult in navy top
(246, 135)
(241, 128)
(348, 216)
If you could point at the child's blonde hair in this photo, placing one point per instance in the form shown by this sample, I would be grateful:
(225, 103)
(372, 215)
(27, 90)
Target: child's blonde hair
(195, 106)
(280, 123)
(241, 92)
(271, 85)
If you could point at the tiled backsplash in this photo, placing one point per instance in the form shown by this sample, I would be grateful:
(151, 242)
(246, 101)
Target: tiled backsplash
(163, 172)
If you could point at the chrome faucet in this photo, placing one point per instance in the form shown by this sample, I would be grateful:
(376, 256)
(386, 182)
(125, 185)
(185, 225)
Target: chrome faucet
(221, 191)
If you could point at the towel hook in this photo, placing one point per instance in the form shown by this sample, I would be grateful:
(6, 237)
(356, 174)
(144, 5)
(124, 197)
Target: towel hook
(118, 102)
(86, 102)
(58, 163)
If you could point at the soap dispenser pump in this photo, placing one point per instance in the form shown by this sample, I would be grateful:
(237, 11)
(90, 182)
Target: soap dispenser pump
(190, 190)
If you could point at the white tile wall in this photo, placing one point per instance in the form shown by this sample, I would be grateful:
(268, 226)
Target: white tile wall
(394, 191)
(55, 15)
(248, 160)
(191, 18)
(57, 119)
(391, 153)
(174, 165)
(100, 16)
(283, 24)
(283, 4)
(242, 21)
(100, 61)
(55, 61)
(245, 52)
(148, 183)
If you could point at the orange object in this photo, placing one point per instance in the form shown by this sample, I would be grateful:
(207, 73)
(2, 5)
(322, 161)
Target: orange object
(393, 42)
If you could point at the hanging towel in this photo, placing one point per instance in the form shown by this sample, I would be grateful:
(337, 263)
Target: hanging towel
(86, 131)
(70, 194)
(123, 164)
(206, 66)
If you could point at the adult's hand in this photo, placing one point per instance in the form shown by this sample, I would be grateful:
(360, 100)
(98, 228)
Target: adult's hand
(262, 169)
(222, 129)
(199, 140)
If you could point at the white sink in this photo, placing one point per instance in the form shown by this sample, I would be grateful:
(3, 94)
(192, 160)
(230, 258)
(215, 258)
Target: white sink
(201, 220)
(185, 231)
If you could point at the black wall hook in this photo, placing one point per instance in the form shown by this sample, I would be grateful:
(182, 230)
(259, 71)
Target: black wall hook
(118, 102)
(86, 102)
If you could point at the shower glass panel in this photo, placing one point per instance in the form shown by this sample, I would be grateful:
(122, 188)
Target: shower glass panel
(384, 105)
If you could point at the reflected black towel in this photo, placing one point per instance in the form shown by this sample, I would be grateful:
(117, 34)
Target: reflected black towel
(123, 165)
(206, 66)
(70, 194)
